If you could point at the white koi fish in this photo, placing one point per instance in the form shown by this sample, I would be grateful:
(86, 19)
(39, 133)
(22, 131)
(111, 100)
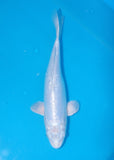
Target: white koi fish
(55, 108)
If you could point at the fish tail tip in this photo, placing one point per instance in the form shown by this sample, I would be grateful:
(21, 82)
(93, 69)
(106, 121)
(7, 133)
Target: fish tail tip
(59, 20)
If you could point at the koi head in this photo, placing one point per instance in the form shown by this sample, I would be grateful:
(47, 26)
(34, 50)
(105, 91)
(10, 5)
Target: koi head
(56, 133)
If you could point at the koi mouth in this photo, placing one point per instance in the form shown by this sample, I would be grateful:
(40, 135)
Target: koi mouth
(56, 144)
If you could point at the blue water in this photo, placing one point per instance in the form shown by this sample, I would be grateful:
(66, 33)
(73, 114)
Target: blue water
(27, 35)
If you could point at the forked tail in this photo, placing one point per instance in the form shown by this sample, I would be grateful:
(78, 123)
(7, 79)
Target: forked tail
(59, 20)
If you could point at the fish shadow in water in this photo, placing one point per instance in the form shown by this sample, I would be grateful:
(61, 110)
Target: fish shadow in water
(111, 157)
(67, 131)
(66, 87)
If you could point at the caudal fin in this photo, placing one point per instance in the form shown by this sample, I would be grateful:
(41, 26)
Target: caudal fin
(59, 20)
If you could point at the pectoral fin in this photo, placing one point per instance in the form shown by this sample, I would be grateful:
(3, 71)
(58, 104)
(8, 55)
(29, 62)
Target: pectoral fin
(72, 108)
(38, 108)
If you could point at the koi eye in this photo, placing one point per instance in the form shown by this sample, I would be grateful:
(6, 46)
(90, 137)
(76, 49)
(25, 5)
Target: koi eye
(62, 134)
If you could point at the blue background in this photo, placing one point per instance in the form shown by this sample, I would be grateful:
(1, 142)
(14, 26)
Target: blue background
(27, 35)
